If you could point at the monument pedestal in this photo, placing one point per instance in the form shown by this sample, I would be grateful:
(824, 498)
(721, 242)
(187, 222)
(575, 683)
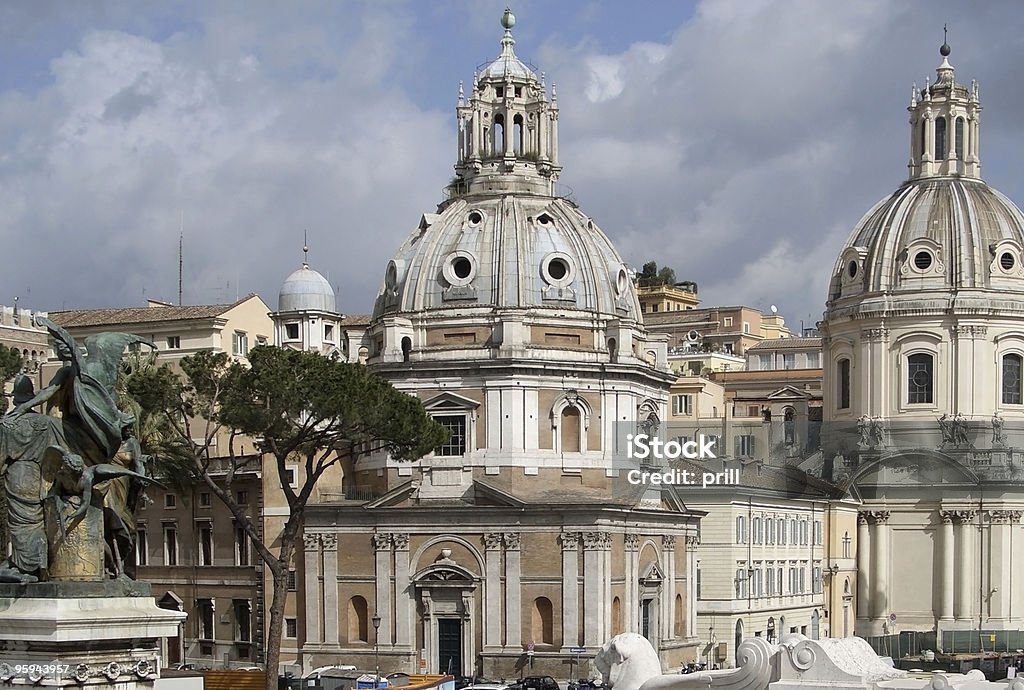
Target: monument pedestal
(82, 634)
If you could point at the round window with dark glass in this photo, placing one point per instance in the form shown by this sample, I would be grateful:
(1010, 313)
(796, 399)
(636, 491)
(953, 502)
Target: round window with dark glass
(558, 269)
(475, 217)
(852, 269)
(462, 267)
(922, 378)
(922, 261)
(1006, 261)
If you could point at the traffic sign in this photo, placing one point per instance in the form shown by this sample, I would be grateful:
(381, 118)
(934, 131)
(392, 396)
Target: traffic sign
(578, 650)
(530, 646)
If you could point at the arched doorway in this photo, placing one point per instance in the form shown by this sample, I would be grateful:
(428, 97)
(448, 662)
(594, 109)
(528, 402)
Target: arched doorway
(445, 591)
(739, 637)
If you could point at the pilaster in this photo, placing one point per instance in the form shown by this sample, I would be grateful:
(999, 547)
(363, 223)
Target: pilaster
(311, 576)
(332, 631)
(570, 589)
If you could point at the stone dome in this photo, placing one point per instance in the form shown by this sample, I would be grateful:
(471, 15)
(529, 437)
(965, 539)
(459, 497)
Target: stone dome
(509, 252)
(934, 233)
(306, 290)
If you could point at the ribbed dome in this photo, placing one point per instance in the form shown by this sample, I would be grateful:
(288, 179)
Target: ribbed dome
(306, 290)
(517, 252)
(932, 234)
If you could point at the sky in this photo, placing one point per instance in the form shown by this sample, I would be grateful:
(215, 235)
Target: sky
(737, 141)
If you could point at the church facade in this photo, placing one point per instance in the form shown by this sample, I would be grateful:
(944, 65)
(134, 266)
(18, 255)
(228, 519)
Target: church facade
(517, 548)
(924, 415)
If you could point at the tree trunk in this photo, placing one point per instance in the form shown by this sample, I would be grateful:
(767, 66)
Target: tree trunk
(276, 625)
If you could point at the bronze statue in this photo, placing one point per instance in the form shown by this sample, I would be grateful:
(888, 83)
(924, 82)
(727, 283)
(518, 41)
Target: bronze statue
(76, 453)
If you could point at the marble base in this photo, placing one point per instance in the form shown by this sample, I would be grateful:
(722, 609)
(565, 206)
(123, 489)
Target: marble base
(83, 642)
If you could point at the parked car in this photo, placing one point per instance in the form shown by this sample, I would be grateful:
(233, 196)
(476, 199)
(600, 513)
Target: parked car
(537, 683)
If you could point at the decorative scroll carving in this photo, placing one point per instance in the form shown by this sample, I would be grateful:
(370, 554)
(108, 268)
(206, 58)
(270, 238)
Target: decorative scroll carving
(863, 518)
(512, 540)
(947, 516)
(692, 542)
(668, 542)
(965, 516)
(493, 541)
(381, 541)
(874, 334)
(631, 542)
(1005, 517)
(879, 517)
(400, 541)
(570, 540)
(330, 542)
(971, 331)
(597, 540)
(310, 541)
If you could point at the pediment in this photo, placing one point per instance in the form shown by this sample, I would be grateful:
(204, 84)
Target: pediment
(789, 393)
(450, 401)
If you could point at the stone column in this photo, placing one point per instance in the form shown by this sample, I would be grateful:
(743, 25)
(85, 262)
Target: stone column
(311, 575)
(403, 593)
(880, 565)
(966, 593)
(570, 590)
(631, 598)
(492, 590)
(332, 630)
(864, 566)
(513, 587)
(692, 568)
(1001, 563)
(668, 544)
(946, 576)
(554, 137)
(382, 573)
(605, 597)
(592, 590)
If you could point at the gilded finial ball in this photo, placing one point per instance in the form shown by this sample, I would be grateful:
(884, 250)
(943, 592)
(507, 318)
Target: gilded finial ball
(945, 50)
(508, 20)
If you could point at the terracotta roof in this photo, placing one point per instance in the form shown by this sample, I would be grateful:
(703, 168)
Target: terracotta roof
(132, 315)
(787, 344)
(356, 320)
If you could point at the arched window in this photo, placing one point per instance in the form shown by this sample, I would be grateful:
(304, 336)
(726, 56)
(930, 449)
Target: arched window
(843, 376)
(613, 350)
(920, 378)
(959, 145)
(569, 428)
(755, 528)
(1012, 392)
(741, 530)
(678, 632)
(616, 616)
(406, 348)
(499, 135)
(788, 424)
(517, 134)
(541, 621)
(924, 138)
(769, 531)
(357, 628)
(940, 138)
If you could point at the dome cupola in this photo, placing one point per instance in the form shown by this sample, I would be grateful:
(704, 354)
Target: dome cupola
(306, 290)
(507, 127)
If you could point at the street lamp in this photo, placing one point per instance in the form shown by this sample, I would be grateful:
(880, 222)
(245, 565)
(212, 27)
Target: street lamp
(376, 660)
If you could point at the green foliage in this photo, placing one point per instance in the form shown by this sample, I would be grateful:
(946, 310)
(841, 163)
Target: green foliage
(651, 276)
(303, 402)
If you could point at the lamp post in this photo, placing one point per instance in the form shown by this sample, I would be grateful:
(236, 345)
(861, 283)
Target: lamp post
(376, 660)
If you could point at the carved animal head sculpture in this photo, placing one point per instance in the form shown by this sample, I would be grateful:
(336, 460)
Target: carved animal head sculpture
(627, 661)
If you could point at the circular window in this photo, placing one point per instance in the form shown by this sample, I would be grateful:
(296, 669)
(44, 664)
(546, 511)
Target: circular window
(621, 282)
(1006, 261)
(852, 269)
(921, 378)
(459, 269)
(557, 269)
(475, 218)
(462, 267)
(922, 261)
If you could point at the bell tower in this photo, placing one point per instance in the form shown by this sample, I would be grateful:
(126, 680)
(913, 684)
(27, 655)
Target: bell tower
(507, 128)
(944, 119)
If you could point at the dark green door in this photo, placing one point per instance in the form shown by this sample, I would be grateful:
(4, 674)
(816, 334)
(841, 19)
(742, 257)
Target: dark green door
(449, 646)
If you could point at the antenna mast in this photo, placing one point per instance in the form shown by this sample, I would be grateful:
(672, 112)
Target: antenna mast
(181, 260)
